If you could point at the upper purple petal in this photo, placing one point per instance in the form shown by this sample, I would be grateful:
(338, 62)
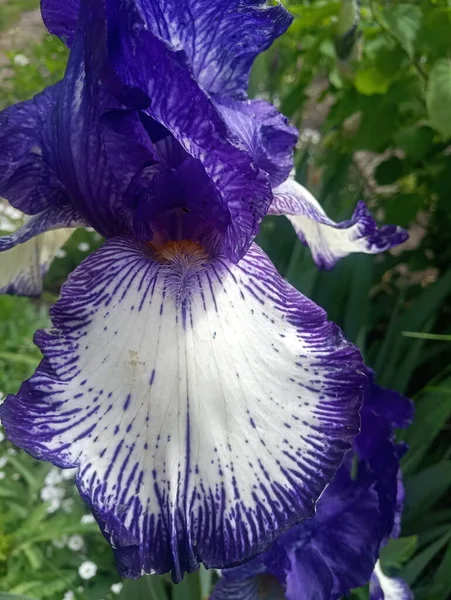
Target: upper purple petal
(60, 18)
(150, 75)
(27, 177)
(221, 38)
(265, 134)
(137, 145)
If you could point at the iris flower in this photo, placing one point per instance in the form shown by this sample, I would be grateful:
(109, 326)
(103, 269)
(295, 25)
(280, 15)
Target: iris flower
(205, 402)
(326, 556)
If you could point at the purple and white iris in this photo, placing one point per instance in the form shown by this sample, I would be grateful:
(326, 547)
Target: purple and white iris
(326, 556)
(205, 402)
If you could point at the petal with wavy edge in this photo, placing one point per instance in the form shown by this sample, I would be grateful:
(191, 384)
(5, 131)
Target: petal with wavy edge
(221, 38)
(329, 241)
(26, 255)
(23, 267)
(264, 132)
(205, 404)
(60, 18)
(388, 588)
(138, 76)
(27, 180)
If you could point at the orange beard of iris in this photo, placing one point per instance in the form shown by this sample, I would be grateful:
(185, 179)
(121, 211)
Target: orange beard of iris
(182, 251)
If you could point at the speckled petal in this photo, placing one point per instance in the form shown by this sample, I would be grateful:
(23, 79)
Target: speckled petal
(26, 255)
(205, 404)
(329, 241)
(388, 588)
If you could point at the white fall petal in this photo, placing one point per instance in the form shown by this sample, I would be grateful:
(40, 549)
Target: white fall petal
(329, 241)
(205, 404)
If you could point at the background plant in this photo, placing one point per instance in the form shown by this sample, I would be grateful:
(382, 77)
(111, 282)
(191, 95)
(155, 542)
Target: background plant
(369, 87)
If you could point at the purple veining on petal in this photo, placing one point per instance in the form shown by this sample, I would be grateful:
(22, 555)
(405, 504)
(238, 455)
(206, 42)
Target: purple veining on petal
(227, 474)
(326, 556)
(329, 241)
(221, 38)
(264, 132)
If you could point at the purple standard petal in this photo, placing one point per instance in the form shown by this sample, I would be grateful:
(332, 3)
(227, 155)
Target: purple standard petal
(142, 63)
(205, 404)
(329, 241)
(221, 38)
(388, 588)
(265, 133)
(60, 18)
(26, 255)
(27, 178)
(74, 144)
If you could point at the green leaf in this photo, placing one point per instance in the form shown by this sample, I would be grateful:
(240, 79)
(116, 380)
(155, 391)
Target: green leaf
(415, 141)
(4, 596)
(432, 411)
(389, 171)
(426, 488)
(206, 579)
(414, 569)
(188, 589)
(442, 577)
(438, 96)
(403, 21)
(427, 336)
(369, 81)
(398, 551)
(151, 587)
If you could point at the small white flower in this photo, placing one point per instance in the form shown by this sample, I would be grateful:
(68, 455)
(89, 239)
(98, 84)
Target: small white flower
(21, 60)
(53, 506)
(3, 461)
(87, 519)
(61, 542)
(67, 505)
(12, 451)
(53, 477)
(75, 543)
(51, 492)
(87, 569)
(60, 253)
(68, 474)
(2, 436)
(116, 588)
(84, 247)
(2, 475)
(69, 595)
(2, 397)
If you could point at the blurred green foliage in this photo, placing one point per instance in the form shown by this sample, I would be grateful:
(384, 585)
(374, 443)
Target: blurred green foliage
(369, 86)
